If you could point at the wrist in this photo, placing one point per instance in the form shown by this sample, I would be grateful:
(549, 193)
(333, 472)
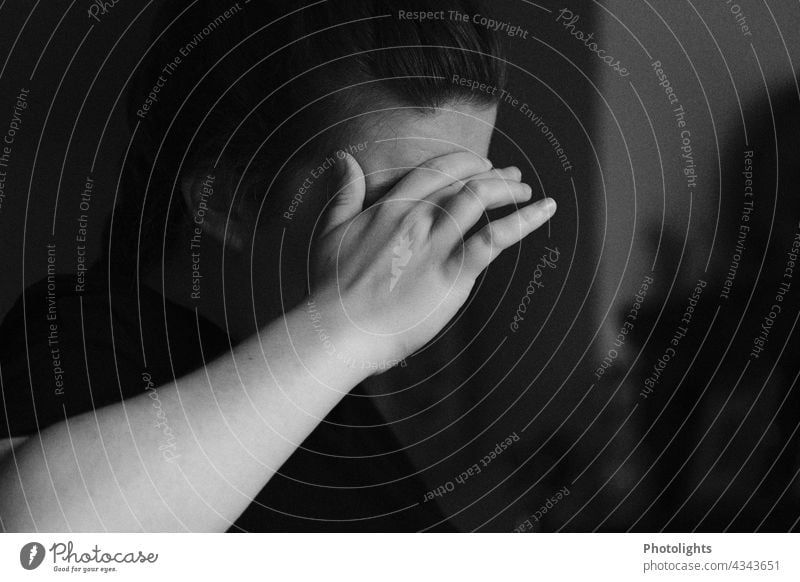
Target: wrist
(341, 339)
(324, 346)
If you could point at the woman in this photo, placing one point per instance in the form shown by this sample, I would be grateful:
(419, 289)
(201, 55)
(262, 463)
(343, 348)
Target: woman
(203, 368)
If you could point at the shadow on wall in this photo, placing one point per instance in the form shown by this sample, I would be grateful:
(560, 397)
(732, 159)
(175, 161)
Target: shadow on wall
(717, 445)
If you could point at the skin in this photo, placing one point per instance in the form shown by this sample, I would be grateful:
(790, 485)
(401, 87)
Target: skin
(237, 420)
(396, 143)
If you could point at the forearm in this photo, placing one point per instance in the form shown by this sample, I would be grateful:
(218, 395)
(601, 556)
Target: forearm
(230, 426)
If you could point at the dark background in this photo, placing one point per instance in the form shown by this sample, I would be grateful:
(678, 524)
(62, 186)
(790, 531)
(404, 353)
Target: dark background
(697, 453)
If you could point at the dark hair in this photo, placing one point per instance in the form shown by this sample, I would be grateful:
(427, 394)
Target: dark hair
(263, 79)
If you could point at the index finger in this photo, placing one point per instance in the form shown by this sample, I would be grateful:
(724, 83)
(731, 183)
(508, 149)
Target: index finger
(438, 173)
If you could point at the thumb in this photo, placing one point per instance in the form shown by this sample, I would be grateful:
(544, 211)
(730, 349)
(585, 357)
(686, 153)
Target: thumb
(348, 199)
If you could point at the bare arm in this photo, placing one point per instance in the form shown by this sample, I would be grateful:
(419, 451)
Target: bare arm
(236, 421)
(108, 469)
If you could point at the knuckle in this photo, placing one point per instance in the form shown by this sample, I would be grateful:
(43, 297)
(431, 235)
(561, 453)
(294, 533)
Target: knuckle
(479, 188)
(415, 221)
(437, 165)
(486, 236)
(461, 205)
(481, 253)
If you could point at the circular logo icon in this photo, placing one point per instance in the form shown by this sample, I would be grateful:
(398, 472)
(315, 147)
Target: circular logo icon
(31, 555)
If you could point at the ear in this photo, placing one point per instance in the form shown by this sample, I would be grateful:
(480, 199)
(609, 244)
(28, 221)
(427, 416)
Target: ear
(207, 207)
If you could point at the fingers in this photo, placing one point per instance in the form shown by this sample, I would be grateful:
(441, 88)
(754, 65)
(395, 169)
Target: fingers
(438, 173)
(466, 207)
(487, 244)
(348, 201)
(511, 173)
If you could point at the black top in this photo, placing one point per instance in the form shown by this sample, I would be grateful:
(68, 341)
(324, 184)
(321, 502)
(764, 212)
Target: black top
(48, 375)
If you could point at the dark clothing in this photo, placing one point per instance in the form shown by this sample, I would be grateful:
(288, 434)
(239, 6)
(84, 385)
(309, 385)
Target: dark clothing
(79, 351)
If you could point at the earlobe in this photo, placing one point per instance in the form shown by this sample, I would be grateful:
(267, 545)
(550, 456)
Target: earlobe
(207, 210)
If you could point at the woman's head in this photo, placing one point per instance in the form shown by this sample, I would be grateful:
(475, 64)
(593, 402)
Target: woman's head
(259, 95)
